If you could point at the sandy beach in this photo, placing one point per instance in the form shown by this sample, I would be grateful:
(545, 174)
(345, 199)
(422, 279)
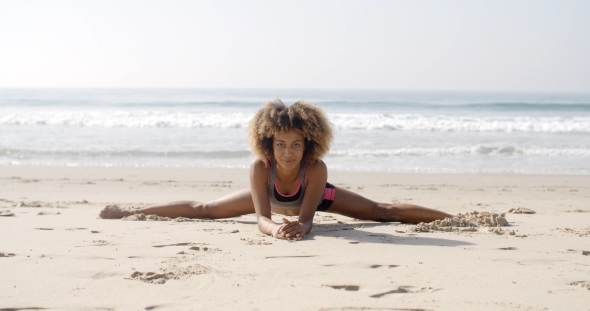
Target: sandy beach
(56, 254)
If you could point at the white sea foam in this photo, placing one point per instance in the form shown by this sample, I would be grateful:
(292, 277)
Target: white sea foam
(380, 131)
(462, 150)
(358, 121)
(131, 119)
(445, 123)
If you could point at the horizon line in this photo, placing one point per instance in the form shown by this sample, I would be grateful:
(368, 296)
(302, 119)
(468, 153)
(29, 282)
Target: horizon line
(289, 88)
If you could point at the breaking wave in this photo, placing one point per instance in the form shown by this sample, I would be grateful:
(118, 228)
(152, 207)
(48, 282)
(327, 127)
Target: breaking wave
(348, 121)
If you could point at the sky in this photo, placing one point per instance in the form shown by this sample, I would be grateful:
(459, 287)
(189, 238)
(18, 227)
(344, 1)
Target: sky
(495, 45)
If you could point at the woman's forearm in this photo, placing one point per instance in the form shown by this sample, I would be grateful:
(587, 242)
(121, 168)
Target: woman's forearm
(306, 224)
(265, 225)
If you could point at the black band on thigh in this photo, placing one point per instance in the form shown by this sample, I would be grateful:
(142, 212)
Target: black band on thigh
(326, 203)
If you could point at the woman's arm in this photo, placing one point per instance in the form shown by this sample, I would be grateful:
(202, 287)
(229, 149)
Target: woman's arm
(259, 187)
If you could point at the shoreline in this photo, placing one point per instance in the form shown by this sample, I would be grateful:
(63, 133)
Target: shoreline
(57, 254)
(407, 172)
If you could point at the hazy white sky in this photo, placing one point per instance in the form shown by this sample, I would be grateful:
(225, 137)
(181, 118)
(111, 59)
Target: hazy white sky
(407, 45)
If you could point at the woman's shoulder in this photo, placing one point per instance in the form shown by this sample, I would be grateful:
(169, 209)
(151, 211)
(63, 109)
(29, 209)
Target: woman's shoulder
(260, 164)
(314, 164)
(316, 167)
(259, 170)
(316, 173)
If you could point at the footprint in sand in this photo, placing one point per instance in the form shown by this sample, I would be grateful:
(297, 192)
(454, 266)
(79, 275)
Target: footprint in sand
(583, 284)
(104, 275)
(177, 244)
(404, 290)
(150, 277)
(22, 309)
(172, 272)
(48, 213)
(580, 231)
(255, 242)
(345, 287)
(30, 204)
(379, 266)
(97, 243)
(521, 210)
(205, 249)
(6, 213)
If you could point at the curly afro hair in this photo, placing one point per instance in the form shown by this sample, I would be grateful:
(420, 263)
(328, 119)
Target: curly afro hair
(274, 117)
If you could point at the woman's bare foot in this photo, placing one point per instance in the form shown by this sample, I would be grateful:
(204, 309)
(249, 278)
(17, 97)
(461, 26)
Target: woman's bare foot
(114, 212)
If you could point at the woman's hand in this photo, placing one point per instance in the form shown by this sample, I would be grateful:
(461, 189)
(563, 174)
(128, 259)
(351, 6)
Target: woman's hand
(289, 230)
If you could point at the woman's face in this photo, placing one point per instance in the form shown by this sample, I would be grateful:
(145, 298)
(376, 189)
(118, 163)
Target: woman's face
(288, 148)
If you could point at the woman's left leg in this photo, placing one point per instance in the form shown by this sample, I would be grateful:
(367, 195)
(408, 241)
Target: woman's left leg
(348, 203)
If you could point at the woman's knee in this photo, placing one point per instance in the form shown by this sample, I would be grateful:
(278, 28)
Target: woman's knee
(386, 212)
(200, 210)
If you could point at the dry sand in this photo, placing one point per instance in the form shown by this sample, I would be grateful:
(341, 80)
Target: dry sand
(55, 252)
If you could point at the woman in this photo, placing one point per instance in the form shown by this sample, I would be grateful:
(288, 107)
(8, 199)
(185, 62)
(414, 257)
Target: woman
(289, 178)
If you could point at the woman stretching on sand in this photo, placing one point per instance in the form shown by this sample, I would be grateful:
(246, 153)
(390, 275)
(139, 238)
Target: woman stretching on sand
(289, 178)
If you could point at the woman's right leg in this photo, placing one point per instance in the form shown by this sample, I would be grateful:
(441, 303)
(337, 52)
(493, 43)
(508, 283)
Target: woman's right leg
(353, 205)
(233, 205)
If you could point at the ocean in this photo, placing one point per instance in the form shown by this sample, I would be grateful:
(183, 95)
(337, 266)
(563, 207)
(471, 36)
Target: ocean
(393, 131)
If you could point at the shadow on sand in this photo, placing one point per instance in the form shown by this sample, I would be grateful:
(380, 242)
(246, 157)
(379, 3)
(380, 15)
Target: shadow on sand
(354, 234)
